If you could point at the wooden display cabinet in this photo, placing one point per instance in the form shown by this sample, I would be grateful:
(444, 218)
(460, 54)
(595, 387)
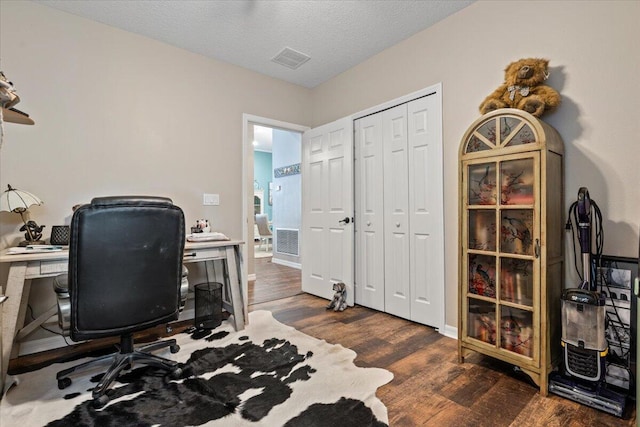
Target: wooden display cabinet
(511, 234)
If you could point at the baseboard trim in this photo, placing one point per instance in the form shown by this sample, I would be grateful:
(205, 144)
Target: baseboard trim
(450, 331)
(287, 263)
(43, 344)
(54, 341)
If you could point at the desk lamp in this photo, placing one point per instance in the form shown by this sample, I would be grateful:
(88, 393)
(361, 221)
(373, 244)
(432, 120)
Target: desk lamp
(18, 201)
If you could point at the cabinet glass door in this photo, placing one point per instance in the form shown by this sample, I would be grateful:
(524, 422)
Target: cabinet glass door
(482, 229)
(482, 320)
(516, 281)
(482, 184)
(517, 182)
(516, 231)
(516, 330)
(501, 249)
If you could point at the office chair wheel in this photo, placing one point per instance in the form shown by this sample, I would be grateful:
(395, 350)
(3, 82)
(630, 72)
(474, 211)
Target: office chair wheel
(100, 401)
(174, 348)
(64, 383)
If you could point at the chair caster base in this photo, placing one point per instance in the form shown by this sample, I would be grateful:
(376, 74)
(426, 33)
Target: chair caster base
(64, 383)
(176, 373)
(100, 401)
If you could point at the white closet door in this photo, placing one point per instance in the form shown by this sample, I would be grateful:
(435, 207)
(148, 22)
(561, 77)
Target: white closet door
(369, 212)
(426, 214)
(327, 201)
(396, 213)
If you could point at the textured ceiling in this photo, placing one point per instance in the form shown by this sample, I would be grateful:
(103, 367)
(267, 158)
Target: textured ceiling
(336, 34)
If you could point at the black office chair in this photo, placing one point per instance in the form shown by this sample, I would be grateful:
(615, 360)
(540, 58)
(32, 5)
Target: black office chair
(125, 274)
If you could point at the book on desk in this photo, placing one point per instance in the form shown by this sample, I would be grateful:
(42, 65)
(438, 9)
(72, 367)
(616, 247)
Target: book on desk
(32, 249)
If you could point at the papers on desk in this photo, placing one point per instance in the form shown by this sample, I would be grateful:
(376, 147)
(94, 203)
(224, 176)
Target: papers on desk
(34, 249)
(206, 237)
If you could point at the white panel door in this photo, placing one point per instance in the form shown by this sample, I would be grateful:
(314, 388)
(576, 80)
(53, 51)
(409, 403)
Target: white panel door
(396, 213)
(426, 210)
(327, 204)
(369, 212)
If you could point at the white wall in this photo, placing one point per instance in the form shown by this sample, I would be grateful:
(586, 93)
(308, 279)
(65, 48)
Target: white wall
(592, 46)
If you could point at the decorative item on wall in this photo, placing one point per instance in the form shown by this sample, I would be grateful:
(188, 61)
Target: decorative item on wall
(8, 99)
(287, 170)
(523, 89)
(18, 201)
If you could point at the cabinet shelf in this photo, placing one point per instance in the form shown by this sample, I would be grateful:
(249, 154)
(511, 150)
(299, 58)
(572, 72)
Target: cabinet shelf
(511, 252)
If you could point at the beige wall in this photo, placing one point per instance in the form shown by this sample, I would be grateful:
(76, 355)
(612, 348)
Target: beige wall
(118, 113)
(592, 46)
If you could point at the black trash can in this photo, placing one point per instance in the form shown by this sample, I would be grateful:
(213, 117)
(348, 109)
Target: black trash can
(208, 305)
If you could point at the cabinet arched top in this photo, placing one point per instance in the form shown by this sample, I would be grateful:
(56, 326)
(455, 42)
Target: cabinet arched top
(508, 130)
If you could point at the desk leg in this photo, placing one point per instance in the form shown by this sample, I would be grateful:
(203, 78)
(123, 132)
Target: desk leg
(22, 314)
(235, 288)
(11, 310)
(243, 283)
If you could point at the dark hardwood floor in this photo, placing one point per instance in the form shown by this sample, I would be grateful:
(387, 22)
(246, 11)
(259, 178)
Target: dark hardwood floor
(430, 388)
(273, 282)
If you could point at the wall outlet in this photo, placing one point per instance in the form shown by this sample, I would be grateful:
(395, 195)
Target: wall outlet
(210, 199)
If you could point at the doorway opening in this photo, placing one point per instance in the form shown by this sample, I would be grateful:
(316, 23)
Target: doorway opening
(272, 208)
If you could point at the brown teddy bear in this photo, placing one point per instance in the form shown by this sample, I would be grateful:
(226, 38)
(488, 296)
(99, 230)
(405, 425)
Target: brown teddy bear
(523, 89)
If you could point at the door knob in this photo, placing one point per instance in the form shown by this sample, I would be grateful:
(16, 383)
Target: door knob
(346, 220)
(397, 224)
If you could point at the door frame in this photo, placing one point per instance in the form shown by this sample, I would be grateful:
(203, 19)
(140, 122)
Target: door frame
(431, 90)
(247, 182)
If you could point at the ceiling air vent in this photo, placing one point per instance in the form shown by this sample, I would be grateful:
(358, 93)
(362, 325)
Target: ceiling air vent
(290, 58)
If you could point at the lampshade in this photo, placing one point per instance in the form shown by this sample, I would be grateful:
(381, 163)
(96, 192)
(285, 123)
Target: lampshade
(14, 200)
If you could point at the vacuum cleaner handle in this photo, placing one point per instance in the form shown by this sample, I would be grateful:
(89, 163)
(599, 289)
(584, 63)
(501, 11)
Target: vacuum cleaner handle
(584, 220)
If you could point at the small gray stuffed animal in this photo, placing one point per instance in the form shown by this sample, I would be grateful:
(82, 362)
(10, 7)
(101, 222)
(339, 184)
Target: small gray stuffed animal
(339, 301)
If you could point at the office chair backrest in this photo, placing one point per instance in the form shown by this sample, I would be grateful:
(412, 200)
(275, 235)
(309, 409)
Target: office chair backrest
(125, 265)
(263, 225)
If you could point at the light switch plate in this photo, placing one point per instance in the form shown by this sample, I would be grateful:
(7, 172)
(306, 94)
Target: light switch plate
(210, 199)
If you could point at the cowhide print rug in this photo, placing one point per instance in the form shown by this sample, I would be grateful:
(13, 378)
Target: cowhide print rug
(266, 375)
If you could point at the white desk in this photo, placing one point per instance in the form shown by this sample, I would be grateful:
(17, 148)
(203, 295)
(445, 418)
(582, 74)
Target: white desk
(24, 267)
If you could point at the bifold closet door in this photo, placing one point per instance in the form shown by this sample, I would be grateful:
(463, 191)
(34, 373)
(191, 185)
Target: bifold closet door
(369, 226)
(397, 285)
(399, 223)
(426, 220)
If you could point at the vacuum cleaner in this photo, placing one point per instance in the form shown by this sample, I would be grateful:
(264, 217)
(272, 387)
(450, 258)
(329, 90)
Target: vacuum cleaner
(584, 344)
